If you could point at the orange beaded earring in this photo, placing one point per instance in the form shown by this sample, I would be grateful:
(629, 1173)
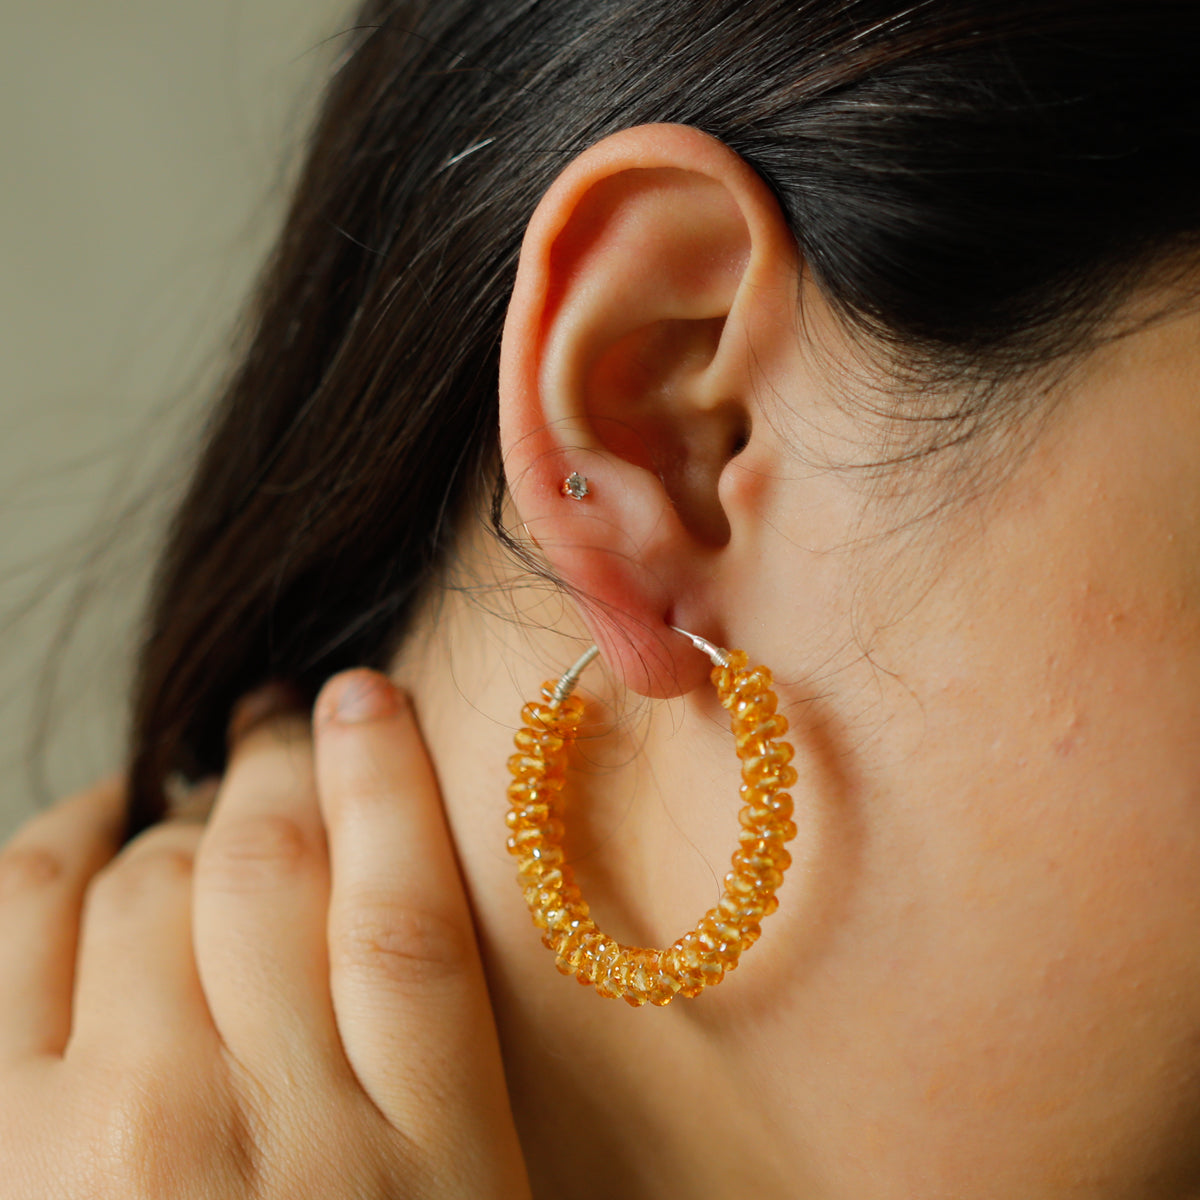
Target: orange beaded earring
(701, 957)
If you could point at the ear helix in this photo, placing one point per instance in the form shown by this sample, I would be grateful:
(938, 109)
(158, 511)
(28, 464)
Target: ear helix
(703, 956)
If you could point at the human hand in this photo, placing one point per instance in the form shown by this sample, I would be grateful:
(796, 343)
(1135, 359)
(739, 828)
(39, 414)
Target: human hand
(286, 1002)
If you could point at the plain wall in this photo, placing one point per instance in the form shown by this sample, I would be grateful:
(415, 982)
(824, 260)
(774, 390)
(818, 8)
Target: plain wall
(145, 150)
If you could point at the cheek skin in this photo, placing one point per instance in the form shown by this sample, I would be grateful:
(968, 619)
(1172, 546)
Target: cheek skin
(1030, 924)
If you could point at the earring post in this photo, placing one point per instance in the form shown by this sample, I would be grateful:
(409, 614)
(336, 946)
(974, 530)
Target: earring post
(719, 657)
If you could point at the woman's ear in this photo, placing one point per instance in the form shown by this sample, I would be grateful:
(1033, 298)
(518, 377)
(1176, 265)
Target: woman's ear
(658, 280)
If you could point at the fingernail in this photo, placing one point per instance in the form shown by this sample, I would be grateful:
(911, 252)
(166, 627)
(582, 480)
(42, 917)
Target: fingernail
(364, 696)
(271, 700)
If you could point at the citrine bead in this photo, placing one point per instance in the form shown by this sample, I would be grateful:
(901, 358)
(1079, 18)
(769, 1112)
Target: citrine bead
(530, 872)
(528, 768)
(770, 834)
(643, 970)
(754, 738)
(533, 812)
(722, 953)
(541, 876)
(724, 933)
(553, 830)
(781, 805)
(542, 743)
(553, 919)
(763, 773)
(774, 726)
(680, 954)
(551, 879)
(766, 878)
(749, 711)
(757, 794)
(609, 978)
(525, 840)
(586, 964)
(570, 944)
(755, 818)
(604, 954)
(724, 678)
(753, 866)
(754, 681)
(528, 846)
(540, 716)
(784, 831)
(533, 816)
(664, 986)
(755, 828)
(759, 863)
(606, 988)
(669, 961)
(692, 953)
(579, 930)
(741, 910)
(526, 793)
(620, 968)
(766, 772)
(742, 884)
(774, 754)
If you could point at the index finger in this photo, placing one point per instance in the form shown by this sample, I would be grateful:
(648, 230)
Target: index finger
(408, 986)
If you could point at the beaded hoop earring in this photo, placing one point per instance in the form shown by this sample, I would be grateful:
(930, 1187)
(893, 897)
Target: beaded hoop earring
(701, 957)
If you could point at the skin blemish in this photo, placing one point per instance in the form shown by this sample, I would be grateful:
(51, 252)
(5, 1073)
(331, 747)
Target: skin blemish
(1069, 741)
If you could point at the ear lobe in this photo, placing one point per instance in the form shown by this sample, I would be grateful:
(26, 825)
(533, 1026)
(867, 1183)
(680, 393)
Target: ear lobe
(648, 277)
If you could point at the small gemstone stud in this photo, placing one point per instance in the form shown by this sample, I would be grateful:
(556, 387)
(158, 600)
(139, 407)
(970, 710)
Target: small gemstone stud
(575, 486)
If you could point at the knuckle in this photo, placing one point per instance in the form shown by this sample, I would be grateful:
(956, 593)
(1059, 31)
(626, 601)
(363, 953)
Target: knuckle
(150, 1139)
(254, 852)
(26, 869)
(130, 1137)
(401, 944)
(130, 878)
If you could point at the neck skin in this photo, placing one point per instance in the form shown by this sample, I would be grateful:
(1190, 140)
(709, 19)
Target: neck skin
(982, 979)
(652, 825)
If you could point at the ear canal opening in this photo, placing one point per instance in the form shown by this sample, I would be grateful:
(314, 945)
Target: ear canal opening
(741, 439)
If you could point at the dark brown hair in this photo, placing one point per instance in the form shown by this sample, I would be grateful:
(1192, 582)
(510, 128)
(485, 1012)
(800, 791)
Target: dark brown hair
(974, 184)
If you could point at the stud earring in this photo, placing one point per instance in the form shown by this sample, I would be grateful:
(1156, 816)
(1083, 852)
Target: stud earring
(703, 956)
(575, 486)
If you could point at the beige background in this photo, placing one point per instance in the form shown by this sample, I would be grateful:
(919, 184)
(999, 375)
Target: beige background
(145, 149)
